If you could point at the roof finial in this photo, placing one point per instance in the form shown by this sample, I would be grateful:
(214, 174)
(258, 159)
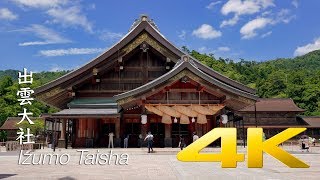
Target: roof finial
(143, 17)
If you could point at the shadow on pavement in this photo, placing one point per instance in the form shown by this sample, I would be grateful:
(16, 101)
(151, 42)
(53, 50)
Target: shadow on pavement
(67, 178)
(2, 176)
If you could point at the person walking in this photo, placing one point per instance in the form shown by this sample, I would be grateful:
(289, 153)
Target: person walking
(110, 140)
(182, 142)
(140, 141)
(305, 144)
(149, 139)
(314, 141)
(125, 141)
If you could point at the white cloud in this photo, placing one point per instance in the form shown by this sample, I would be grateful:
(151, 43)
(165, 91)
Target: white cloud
(241, 7)
(6, 14)
(230, 22)
(182, 35)
(295, 3)
(204, 49)
(70, 51)
(249, 29)
(266, 13)
(283, 16)
(110, 36)
(301, 50)
(47, 35)
(71, 16)
(66, 12)
(56, 68)
(40, 3)
(266, 34)
(205, 31)
(92, 7)
(223, 49)
(212, 4)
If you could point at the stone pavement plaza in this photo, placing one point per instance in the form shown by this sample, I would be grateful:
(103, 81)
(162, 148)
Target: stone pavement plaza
(159, 165)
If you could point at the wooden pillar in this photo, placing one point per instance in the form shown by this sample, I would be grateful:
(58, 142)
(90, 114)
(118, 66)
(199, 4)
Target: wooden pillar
(54, 135)
(167, 130)
(144, 128)
(117, 128)
(63, 130)
(118, 124)
(167, 135)
(62, 139)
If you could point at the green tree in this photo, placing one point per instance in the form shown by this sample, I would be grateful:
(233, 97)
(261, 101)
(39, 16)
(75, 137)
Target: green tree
(36, 129)
(3, 136)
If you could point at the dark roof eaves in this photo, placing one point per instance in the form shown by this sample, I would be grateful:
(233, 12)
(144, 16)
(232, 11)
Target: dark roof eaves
(138, 29)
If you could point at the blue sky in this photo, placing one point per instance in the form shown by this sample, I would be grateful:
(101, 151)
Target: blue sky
(65, 34)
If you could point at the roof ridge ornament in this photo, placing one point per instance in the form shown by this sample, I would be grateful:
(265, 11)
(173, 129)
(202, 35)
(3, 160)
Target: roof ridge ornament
(188, 59)
(143, 17)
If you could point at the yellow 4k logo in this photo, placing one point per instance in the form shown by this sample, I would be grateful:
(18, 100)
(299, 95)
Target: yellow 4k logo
(256, 146)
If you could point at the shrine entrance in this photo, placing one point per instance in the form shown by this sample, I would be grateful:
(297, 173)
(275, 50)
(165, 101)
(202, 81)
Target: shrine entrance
(184, 130)
(158, 131)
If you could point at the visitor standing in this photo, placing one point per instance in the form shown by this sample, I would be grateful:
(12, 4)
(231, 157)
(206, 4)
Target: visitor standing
(149, 139)
(125, 141)
(110, 139)
(182, 142)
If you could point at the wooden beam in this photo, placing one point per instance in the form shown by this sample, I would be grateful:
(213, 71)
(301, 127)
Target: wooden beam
(116, 80)
(186, 104)
(183, 101)
(183, 90)
(138, 68)
(100, 91)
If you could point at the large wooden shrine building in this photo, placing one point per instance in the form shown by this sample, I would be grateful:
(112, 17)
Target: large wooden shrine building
(144, 83)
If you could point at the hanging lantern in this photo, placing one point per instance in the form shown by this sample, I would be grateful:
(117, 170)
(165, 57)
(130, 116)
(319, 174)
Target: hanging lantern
(175, 120)
(224, 118)
(193, 120)
(143, 119)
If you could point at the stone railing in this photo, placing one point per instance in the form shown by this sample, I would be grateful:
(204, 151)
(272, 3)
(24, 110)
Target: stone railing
(2, 146)
(15, 146)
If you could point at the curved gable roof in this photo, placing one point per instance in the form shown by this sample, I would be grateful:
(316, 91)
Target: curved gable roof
(133, 33)
(180, 66)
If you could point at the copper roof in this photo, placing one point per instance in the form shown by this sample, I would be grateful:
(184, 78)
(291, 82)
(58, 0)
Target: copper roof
(313, 121)
(87, 112)
(11, 123)
(273, 105)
